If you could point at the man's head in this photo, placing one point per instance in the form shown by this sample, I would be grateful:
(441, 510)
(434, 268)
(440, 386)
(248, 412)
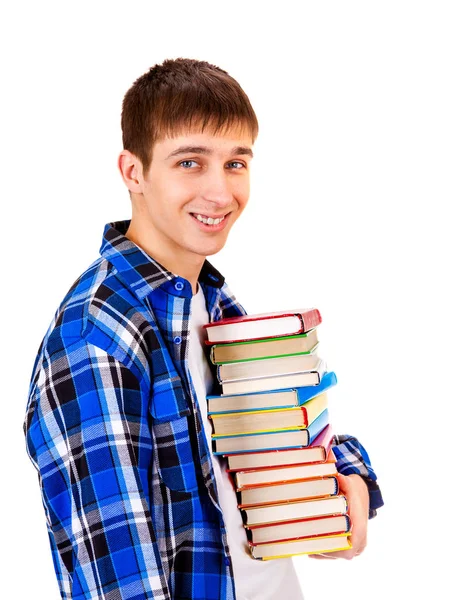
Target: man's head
(182, 95)
(188, 129)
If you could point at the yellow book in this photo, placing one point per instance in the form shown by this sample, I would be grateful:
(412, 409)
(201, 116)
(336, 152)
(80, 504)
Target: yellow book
(315, 545)
(266, 420)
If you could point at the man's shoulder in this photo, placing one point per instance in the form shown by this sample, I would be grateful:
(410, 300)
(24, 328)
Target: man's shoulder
(98, 309)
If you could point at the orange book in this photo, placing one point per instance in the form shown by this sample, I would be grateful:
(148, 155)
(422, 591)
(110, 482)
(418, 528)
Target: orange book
(255, 477)
(302, 528)
(292, 491)
(291, 511)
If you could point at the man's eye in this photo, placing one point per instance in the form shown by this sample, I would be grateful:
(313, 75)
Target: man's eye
(241, 165)
(188, 161)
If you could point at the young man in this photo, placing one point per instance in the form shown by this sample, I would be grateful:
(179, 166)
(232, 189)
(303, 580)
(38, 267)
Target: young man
(137, 506)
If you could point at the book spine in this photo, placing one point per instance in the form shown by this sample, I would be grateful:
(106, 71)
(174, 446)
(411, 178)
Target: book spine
(311, 319)
(317, 426)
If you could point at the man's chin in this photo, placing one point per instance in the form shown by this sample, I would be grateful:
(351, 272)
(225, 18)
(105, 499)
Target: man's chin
(210, 249)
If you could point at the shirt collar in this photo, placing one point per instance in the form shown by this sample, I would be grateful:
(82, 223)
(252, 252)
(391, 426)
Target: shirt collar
(137, 269)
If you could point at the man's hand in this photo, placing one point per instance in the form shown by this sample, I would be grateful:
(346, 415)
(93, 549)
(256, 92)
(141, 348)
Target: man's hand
(355, 490)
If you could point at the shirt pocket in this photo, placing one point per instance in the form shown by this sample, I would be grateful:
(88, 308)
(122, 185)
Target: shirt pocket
(172, 438)
(173, 454)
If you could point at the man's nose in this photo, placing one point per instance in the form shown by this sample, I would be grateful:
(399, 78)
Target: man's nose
(217, 187)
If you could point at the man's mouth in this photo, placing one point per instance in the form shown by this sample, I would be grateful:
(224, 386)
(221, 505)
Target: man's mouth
(207, 220)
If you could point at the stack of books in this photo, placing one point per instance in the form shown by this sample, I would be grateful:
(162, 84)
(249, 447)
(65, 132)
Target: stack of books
(272, 424)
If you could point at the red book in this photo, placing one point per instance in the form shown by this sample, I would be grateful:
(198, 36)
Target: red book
(303, 528)
(254, 477)
(262, 326)
(317, 452)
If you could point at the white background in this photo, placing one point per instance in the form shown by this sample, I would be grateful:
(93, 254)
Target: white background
(350, 192)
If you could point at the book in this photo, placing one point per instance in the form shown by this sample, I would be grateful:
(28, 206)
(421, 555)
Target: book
(270, 440)
(316, 452)
(264, 348)
(275, 493)
(301, 379)
(252, 477)
(304, 528)
(263, 420)
(267, 367)
(316, 545)
(289, 511)
(270, 399)
(263, 325)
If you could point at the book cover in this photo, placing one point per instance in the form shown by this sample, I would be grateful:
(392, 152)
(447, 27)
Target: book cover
(263, 325)
(317, 451)
(291, 491)
(264, 420)
(301, 528)
(316, 545)
(269, 399)
(252, 477)
(303, 379)
(290, 511)
(270, 440)
(288, 345)
(268, 367)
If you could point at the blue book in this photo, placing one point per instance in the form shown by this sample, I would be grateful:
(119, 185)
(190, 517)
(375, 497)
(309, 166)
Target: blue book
(275, 439)
(270, 399)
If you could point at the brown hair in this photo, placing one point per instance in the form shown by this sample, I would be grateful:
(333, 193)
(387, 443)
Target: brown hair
(178, 95)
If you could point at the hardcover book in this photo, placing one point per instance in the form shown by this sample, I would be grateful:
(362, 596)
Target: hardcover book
(267, 367)
(304, 528)
(263, 420)
(301, 379)
(275, 493)
(263, 325)
(289, 511)
(270, 399)
(270, 440)
(252, 477)
(265, 348)
(316, 545)
(316, 452)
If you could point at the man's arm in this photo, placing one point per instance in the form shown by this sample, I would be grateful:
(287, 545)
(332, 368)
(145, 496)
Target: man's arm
(352, 459)
(357, 481)
(89, 439)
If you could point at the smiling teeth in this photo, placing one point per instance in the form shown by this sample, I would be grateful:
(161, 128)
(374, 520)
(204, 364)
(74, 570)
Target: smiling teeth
(209, 220)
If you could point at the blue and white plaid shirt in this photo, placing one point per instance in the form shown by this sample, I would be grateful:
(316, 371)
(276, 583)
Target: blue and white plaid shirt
(114, 429)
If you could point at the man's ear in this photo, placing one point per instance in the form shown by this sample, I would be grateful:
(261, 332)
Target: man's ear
(130, 168)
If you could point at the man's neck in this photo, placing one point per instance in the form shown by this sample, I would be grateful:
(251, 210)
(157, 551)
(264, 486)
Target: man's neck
(188, 267)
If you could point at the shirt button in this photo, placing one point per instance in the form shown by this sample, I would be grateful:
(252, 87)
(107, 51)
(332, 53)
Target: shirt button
(177, 340)
(179, 285)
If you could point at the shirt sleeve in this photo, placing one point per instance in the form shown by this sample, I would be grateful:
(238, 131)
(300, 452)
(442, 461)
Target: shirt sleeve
(89, 440)
(352, 458)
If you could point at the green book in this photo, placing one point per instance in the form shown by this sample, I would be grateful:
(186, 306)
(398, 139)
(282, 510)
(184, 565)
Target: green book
(291, 345)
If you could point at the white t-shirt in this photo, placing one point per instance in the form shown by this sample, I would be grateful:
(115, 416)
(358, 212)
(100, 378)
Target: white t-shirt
(254, 579)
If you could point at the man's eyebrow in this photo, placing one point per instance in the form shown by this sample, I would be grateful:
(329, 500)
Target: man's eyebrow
(204, 150)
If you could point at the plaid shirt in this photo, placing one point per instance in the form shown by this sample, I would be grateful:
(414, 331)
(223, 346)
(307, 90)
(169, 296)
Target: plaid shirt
(114, 430)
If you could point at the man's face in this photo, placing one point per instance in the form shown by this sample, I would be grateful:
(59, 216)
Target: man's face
(196, 187)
